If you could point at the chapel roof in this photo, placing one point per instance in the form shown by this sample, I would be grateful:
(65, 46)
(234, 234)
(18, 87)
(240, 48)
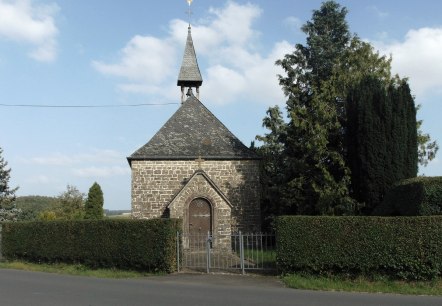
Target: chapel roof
(192, 132)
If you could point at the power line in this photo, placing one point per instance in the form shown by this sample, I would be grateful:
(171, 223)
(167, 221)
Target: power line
(86, 106)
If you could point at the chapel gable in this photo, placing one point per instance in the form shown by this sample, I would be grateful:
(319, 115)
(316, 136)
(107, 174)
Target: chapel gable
(194, 168)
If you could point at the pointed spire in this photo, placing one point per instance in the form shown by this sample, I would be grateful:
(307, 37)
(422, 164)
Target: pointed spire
(190, 75)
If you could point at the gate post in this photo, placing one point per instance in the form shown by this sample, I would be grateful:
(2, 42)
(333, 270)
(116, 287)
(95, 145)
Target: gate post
(208, 241)
(241, 252)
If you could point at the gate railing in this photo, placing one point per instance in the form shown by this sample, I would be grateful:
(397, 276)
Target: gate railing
(237, 252)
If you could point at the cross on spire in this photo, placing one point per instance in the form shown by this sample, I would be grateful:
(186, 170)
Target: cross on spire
(189, 11)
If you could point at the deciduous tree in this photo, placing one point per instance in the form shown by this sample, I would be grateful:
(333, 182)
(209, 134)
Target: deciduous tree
(71, 204)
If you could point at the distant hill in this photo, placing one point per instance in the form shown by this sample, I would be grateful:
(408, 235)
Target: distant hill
(32, 206)
(109, 213)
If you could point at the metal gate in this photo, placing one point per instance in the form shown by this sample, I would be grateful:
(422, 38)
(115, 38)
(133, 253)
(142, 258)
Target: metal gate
(237, 252)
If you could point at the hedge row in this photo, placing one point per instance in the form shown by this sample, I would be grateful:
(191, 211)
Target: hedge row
(147, 245)
(400, 247)
(420, 196)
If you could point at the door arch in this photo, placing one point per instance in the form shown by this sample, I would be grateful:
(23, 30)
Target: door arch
(200, 217)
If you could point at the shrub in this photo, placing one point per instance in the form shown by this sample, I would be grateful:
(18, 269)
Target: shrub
(420, 196)
(147, 245)
(400, 247)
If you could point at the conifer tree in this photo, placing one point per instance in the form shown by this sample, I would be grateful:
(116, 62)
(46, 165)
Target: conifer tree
(317, 178)
(94, 203)
(8, 211)
(321, 151)
(381, 138)
(7, 194)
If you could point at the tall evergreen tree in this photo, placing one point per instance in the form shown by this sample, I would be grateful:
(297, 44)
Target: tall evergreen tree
(94, 203)
(381, 138)
(315, 175)
(274, 165)
(367, 154)
(7, 194)
(321, 79)
(8, 211)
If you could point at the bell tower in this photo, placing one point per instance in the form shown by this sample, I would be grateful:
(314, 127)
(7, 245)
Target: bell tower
(190, 75)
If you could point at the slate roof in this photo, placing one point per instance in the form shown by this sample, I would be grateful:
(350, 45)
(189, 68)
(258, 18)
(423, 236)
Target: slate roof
(192, 132)
(190, 75)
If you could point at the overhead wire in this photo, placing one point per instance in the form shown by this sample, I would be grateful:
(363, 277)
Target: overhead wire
(86, 106)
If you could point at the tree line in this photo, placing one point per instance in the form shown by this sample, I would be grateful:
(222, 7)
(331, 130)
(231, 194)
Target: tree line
(69, 205)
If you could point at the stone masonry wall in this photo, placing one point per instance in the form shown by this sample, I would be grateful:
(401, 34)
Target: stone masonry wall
(156, 183)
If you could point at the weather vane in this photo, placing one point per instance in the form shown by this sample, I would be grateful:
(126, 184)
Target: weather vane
(189, 12)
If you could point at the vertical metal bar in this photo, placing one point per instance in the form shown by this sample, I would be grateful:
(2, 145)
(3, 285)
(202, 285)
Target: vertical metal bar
(261, 250)
(208, 252)
(241, 252)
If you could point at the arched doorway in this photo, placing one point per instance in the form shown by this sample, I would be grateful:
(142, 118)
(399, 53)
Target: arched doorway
(200, 217)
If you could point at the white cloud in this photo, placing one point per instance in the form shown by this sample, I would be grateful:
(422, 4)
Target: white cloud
(419, 58)
(226, 44)
(60, 159)
(234, 22)
(144, 60)
(255, 81)
(102, 172)
(24, 22)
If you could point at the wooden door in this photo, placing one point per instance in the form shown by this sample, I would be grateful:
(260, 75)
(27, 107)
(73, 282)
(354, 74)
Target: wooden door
(200, 217)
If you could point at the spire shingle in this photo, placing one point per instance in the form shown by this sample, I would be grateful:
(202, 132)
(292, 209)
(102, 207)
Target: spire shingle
(190, 75)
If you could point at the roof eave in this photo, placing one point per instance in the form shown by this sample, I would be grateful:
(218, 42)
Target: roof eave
(174, 158)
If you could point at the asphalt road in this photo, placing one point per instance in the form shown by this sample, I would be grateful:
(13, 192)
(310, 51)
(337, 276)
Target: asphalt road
(33, 288)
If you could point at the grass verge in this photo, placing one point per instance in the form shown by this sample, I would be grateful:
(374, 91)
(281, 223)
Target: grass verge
(363, 285)
(72, 269)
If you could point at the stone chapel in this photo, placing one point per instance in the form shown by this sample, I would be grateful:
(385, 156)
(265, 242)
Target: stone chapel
(195, 169)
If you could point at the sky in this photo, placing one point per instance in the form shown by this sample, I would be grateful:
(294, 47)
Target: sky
(122, 53)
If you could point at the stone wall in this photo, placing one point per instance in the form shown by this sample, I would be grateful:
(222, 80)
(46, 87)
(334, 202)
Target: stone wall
(156, 183)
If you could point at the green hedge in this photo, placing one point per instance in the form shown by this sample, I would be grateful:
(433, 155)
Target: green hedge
(420, 196)
(400, 247)
(148, 245)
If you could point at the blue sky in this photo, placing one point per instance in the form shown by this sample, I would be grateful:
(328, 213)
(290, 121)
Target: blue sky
(100, 52)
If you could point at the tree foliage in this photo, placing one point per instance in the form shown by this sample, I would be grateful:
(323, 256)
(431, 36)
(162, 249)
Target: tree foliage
(70, 205)
(381, 138)
(94, 203)
(427, 148)
(8, 211)
(313, 176)
(309, 163)
(7, 194)
(33, 206)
